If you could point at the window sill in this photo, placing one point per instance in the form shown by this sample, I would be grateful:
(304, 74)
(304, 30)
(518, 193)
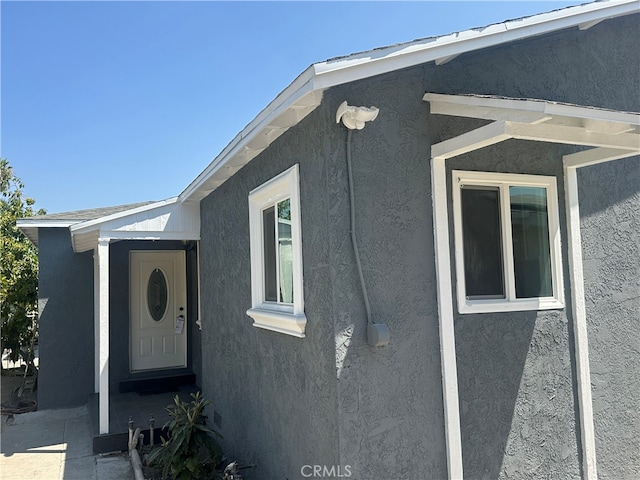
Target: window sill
(494, 306)
(281, 322)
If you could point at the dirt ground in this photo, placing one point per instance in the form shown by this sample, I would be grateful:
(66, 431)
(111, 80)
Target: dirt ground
(10, 381)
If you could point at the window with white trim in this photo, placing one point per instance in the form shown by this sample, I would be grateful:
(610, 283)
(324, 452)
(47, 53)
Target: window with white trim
(276, 255)
(507, 242)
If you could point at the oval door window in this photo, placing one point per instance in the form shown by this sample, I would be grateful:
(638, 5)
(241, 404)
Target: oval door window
(157, 294)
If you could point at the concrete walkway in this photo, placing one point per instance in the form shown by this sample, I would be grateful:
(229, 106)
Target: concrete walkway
(55, 445)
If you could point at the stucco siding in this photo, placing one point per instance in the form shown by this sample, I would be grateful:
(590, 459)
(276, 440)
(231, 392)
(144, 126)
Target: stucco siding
(329, 398)
(65, 304)
(390, 398)
(516, 374)
(610, 229)
(596, 67)
(275, 395)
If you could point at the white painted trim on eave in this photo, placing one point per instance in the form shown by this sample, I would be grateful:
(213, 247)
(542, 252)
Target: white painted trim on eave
(594, 156)
(375, 62)
(581, 338)
(473, 106)
(323, 75)
(153, 235)
(83, 227)
(42, 223)
(499, 131)
(297, 90)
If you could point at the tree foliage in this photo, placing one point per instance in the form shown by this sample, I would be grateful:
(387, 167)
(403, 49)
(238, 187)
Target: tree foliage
(19, 268)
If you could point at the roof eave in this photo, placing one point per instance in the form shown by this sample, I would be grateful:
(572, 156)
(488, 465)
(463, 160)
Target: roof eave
(305, 93)
(29, 227)
(90, 225)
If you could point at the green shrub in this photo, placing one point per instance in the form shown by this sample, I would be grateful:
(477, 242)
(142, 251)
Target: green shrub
(190, 446)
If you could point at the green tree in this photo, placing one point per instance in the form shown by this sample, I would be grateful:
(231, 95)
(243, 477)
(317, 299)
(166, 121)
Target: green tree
(18, 269)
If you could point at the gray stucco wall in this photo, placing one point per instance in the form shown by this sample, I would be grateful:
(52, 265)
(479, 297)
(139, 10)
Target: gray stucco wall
(390, 399)
(65, 304)
(331, 399)
(377, 411)
(610, 222)
(275, 395)
(516, 370)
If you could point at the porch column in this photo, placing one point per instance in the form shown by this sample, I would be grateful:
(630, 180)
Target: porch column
(96, 322)
(445, 314)
(102, 295)
(580, 322)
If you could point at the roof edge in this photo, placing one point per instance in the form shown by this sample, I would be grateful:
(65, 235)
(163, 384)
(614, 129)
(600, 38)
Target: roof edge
(323, 75)
(88, 225)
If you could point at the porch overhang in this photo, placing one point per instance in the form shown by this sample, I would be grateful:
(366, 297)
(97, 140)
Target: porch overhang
(607, 134)
(165, 220)
(603, 135)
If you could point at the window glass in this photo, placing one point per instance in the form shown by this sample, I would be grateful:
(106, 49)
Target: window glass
(483, 270)
(157, 294)
(278, 261)
(531, 251)
(507, 242)
(275, 230)
(285, 253)
(269, 255)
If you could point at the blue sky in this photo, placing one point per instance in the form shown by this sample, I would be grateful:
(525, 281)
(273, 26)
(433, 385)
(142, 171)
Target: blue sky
(109, 103)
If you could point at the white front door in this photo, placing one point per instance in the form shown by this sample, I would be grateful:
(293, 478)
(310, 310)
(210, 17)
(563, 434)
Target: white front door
(158, 309)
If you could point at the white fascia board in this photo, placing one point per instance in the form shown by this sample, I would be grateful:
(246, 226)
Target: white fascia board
(496, 132)
(573, 136)
(83, 227)
(596, 155)
(287, 99)
(323, 75)
(42, 223)
(29, 227)
(154, 235)
(481, 137)
(493, 108)
(375, 62)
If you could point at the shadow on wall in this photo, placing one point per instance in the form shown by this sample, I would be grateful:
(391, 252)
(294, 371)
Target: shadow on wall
(491, 353)
(600, 186)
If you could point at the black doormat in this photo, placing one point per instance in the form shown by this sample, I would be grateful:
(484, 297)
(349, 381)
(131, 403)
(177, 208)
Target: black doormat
(157, 391)
(161, 384)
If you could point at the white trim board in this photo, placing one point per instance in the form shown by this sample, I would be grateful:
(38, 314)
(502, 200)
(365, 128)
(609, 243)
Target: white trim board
(448, 360)
(609, 134)
(581, 338)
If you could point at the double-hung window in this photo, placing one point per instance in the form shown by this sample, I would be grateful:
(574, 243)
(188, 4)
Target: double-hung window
(507, 242)
(276, 255)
